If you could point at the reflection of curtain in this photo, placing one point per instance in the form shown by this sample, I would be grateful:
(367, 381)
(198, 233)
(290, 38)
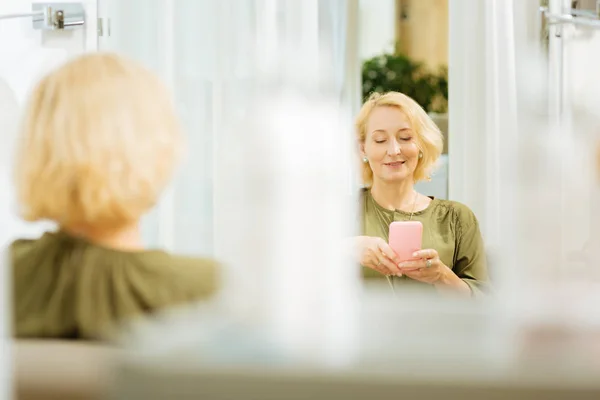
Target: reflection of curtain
(177, 40)
(482, 108)
(338, 29)
(483, 130)
(138, 29)
(501, 117)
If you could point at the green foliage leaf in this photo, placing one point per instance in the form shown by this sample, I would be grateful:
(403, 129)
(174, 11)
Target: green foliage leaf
(397, 72)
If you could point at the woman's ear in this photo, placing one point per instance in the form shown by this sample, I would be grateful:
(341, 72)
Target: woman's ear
(361, 149)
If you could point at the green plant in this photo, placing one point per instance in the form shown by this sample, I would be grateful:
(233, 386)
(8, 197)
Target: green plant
(397, 72)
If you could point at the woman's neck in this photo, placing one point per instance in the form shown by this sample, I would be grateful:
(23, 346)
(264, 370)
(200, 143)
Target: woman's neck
(394, 196)
(127, 238)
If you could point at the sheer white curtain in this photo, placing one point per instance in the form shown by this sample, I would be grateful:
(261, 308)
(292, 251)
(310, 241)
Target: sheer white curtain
(185, 42)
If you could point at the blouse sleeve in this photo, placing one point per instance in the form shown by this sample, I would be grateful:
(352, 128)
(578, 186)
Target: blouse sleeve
(471, 264)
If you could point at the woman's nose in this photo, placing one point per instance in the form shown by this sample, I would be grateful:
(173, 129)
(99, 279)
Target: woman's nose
(394, 148)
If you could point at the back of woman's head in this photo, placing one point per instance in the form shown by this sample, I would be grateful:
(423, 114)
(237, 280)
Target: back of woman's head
(98, 143)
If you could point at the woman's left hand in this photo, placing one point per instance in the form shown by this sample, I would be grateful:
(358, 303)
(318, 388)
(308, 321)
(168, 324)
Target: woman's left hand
(426, 267)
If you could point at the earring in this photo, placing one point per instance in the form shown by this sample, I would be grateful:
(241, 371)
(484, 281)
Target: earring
(420, 154)
(365, 160)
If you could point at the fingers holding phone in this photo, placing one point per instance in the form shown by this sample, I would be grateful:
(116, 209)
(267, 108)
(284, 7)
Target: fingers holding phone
(376, 254)
(406, 239)
(425, 266)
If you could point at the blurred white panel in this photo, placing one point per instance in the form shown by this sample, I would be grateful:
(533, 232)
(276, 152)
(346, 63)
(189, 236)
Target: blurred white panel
(5, 350)
(281, 183)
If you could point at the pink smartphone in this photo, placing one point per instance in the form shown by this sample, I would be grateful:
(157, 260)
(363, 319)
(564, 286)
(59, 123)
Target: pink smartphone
(405, 238)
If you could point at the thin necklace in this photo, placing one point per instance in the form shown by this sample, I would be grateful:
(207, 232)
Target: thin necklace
(390, 278)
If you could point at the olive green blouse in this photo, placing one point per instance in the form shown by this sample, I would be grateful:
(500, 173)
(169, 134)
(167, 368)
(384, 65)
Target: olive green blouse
(66, 287)
(449, 227)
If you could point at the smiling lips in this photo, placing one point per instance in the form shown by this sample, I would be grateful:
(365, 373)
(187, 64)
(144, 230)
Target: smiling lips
(395, 164)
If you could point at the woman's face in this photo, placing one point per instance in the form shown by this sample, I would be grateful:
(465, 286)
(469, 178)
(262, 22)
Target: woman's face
(390, 145)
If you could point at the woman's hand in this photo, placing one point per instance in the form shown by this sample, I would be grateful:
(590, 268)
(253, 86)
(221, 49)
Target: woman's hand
(427, 267)
(376, 254)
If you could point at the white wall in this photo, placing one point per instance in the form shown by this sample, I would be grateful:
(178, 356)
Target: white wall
(25, 55)
(377, 27)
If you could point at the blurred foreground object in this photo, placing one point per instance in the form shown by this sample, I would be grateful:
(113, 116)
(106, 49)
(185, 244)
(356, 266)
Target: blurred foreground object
(285, 200)
(180, 383)
(411, 347)
(298, 279)
(62, 370)
(557, 191)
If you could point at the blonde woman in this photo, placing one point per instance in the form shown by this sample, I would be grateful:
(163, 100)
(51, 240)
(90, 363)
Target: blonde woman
(399, 146)
(99, 142)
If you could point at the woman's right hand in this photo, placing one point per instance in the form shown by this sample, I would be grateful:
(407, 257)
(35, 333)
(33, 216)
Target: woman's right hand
(376, 254)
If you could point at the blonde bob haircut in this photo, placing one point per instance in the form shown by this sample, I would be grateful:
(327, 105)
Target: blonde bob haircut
(428, 137)
(98, 143)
